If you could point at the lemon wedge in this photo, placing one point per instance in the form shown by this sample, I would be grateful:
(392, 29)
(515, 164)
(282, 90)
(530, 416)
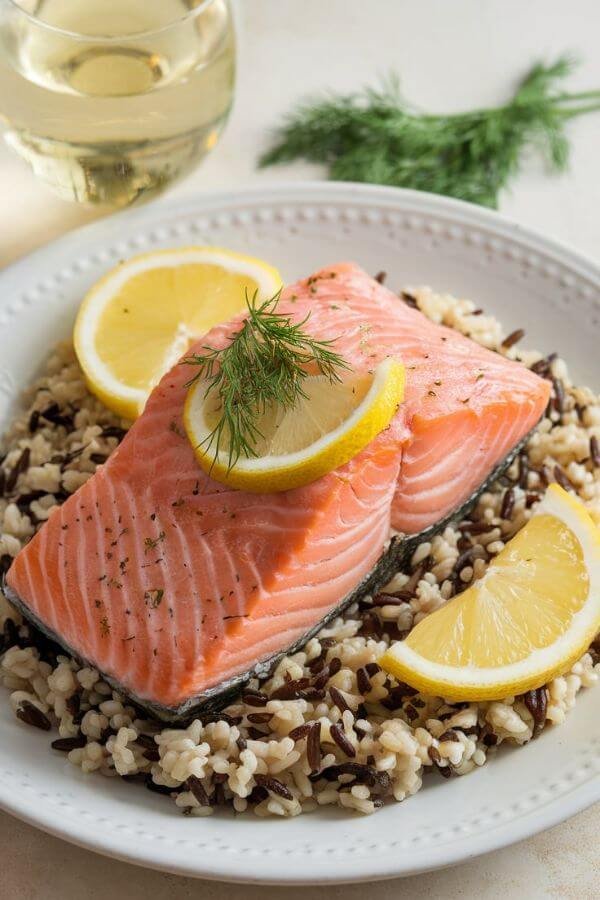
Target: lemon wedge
(324, 430)
(528, 619)
(137, 321)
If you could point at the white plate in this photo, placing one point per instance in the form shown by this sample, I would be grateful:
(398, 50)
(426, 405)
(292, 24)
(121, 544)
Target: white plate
(523, 278)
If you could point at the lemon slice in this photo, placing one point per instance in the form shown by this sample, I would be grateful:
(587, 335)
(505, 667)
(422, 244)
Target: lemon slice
(531, 616)
(137, 321)
(333, 423)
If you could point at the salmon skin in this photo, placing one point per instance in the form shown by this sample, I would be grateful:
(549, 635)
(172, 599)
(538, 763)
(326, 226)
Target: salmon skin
(179, 589)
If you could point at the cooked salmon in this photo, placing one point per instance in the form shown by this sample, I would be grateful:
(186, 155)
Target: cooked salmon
(465, 406)
(172, 585)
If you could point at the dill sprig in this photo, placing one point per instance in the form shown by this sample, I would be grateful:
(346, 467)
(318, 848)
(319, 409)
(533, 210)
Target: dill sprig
(373, 136)
(264, 364)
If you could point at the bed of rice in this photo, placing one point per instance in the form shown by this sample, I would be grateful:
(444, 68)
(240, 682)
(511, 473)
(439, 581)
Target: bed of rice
(328, 726)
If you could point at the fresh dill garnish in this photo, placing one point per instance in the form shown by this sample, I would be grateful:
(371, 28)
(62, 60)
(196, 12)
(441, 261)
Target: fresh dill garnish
(374, 136)
(263, 366)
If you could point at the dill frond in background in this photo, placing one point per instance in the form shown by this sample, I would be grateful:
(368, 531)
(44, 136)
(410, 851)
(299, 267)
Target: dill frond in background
(374, 136)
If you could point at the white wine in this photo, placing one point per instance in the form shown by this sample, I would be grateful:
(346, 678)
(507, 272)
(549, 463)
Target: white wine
(110, 100)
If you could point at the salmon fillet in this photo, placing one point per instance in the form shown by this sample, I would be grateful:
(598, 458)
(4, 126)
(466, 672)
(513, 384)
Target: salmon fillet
(465, 406)
(172, 584)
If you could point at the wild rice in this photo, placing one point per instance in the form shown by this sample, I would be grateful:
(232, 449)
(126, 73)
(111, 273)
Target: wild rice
(537, 703)
(313, 746)
(274, 785)
(508, 503)
(562, 478)
(195, 785)
(339, 700)
(30, 714)
(327, 726)
(363, 681)
(339, 736)
(65, 745)
(513, 338)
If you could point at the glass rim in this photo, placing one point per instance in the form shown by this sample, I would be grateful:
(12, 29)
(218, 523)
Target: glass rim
(133, 35)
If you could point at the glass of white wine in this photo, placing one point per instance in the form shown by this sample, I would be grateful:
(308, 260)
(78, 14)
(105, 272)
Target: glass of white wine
(110, 100)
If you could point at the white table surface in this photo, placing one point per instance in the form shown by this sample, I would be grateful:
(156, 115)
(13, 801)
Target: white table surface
(451, 54)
